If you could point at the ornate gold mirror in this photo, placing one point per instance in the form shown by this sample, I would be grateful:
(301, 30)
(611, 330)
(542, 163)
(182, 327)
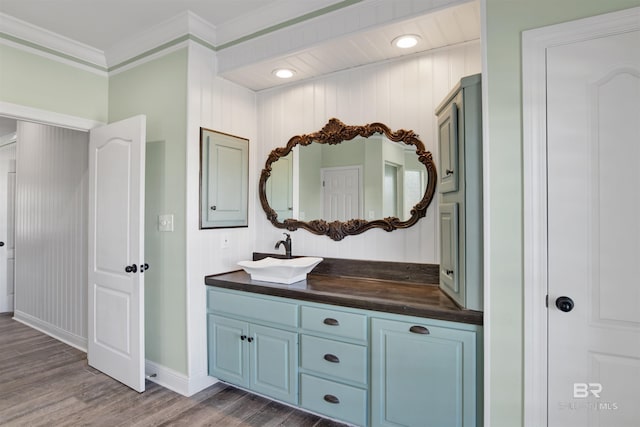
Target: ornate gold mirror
(343, 174)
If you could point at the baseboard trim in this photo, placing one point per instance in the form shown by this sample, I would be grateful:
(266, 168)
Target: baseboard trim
(177, 381)
(53, 331)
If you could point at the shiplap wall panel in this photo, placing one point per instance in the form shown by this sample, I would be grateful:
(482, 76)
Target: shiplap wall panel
(217, 104)
(51, 230)
(402, 94)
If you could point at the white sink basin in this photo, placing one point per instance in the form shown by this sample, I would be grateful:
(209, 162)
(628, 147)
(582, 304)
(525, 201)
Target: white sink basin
(275, 270)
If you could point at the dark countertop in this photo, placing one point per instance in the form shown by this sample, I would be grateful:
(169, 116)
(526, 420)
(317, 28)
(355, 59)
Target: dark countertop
(422, 300)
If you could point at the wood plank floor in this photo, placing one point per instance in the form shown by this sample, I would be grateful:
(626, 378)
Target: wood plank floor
(44, 382)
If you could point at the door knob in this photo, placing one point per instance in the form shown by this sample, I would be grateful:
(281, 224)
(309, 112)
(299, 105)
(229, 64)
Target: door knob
(564, 304)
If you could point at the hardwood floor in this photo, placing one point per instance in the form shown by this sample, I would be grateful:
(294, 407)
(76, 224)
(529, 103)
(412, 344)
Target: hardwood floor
(44, 382)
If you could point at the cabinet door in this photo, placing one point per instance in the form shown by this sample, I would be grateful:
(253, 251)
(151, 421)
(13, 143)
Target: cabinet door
(448, 149)
(449, 252)
(274, 363)
(228, 358)
(224, 180)
(422, 375)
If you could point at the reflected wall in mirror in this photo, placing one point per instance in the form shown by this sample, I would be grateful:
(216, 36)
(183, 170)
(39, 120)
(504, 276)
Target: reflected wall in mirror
(344, 180)
(224, 180)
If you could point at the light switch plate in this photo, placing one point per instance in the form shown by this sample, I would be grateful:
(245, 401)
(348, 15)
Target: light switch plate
(224, 241)
(165, 222)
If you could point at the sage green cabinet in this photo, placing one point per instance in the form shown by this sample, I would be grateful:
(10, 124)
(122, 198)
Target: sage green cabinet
(224, 180)
(261, 358)
(460, 187)
(228, 356)
(363, 367)
(334, 363)
(422, 375)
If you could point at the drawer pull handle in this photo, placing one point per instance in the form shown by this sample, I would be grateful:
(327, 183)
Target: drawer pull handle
(331, 358)
(331, 399)
(419, 330)
(331, 322)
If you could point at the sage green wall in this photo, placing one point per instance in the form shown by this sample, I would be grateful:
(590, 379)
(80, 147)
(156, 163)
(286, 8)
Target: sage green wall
(506, 19)
(158, 89)
(35, 81)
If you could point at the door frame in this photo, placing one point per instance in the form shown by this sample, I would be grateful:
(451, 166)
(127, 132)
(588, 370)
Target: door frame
(37, 115)
(534, 46)
(30, 114)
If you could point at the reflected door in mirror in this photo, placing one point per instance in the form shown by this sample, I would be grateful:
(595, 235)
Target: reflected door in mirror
(341, 193)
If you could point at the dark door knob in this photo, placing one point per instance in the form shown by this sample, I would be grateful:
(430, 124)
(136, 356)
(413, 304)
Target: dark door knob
(1, 244)
(564, 304)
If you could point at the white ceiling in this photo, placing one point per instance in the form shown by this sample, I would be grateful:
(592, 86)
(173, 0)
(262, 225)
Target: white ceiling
(103, 24)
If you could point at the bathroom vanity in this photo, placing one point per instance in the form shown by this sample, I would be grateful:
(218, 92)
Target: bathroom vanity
(367, 343)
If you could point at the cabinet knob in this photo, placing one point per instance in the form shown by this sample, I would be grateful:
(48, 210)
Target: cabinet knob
(331, 399)
(331, 358)
(213, 208)
(331, 322)
(1, 244)
(448, 172)
(250, 339)
(419, 330)
(131, 268)
(243, 337)
(449, 272)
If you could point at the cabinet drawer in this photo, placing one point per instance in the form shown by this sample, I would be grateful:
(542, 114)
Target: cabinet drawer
(253, 308)
(337, 323)
(333, 399)
(338, 359)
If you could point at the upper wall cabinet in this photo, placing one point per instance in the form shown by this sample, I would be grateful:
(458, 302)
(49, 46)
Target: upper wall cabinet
(460, 189)
(448, 147)
(224, 180)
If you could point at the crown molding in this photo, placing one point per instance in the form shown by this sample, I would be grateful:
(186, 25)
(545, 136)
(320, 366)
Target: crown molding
(181, 25)
(50, 42)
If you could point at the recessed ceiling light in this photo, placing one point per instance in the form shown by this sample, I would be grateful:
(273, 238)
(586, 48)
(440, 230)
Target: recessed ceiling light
(406, 41)
(284, 73)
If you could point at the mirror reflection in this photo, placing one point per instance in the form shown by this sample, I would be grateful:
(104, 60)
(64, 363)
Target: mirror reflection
(344, 180)
(362, 178)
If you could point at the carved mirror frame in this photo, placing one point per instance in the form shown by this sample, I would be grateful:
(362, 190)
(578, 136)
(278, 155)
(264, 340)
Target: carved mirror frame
(334, 132)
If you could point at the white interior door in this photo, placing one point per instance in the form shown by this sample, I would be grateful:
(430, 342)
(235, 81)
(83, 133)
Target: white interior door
(7, 226)
(341, 193)
(593, 124)
(116, 251)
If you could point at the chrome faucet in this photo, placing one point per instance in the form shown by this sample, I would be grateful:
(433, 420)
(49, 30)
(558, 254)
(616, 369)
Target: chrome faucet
(287, 245)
